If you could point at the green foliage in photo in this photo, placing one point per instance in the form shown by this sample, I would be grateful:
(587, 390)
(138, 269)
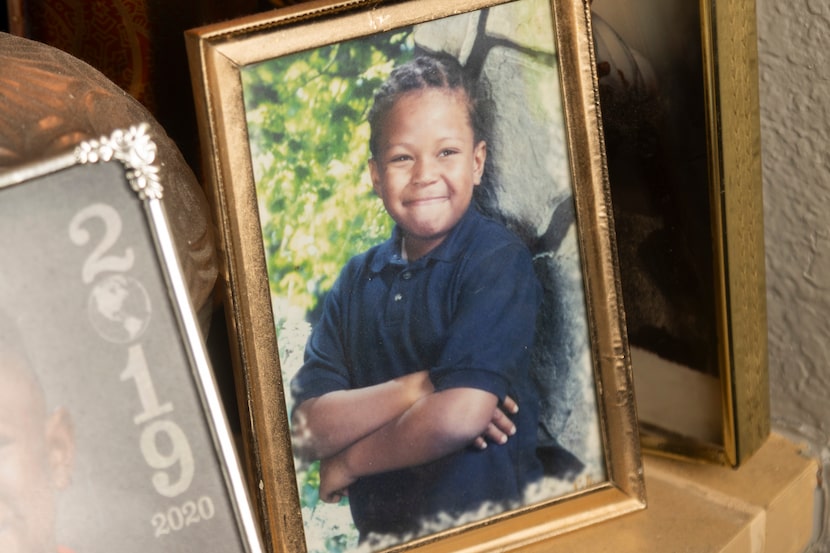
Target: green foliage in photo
(306, 117)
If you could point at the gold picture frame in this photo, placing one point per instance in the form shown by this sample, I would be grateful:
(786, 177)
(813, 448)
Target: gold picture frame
(679, 96)
(240, 71)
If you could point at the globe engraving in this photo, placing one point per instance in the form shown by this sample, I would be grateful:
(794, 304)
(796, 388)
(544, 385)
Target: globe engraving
(119, 309)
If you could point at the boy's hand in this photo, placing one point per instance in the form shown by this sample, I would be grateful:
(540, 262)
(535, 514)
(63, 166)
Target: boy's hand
(335, 479)
(500, 427)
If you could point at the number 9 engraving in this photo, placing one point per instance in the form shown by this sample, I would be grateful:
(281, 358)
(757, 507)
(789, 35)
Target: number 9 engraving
(179, 453)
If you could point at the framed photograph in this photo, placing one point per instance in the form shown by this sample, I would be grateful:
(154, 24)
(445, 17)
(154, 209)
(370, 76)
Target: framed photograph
(112, 433)
(414, 219)
(678, 87)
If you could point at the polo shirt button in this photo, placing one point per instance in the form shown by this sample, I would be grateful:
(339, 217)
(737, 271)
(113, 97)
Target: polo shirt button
(406, 275)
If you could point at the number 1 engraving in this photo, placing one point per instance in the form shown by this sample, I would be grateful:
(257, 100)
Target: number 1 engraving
(137, 371)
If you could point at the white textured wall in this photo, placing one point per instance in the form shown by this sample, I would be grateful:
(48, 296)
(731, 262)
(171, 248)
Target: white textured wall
(794, 40)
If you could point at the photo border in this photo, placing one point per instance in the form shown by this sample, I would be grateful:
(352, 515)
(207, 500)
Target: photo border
(217, 55)
(133, 151)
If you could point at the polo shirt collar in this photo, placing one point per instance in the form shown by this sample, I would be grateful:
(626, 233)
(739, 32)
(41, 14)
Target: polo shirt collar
(389, 253)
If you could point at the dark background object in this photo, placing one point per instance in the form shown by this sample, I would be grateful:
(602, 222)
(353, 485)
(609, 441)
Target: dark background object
(138, 44)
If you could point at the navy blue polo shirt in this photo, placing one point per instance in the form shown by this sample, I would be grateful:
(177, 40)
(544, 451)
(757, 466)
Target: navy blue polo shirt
(467, 312)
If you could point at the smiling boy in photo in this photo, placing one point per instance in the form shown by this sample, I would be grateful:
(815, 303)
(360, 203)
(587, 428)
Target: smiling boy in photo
(408, 386)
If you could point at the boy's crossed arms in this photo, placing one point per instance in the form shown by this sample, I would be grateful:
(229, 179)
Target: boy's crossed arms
(407, 424)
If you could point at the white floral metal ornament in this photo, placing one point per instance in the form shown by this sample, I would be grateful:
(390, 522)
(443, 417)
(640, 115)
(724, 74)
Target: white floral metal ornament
(135, 149)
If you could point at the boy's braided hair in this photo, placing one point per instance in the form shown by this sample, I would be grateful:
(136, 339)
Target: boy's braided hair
(423, 72)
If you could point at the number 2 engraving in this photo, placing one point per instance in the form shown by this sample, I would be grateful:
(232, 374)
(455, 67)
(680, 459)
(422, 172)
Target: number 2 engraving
(98, 262)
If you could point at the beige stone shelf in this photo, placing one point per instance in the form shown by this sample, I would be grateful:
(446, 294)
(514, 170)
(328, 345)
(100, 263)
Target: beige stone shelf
(765, 506)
